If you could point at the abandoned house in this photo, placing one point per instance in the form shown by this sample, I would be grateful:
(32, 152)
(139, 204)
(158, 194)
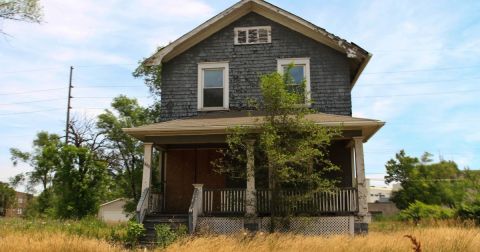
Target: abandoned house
(207, 77)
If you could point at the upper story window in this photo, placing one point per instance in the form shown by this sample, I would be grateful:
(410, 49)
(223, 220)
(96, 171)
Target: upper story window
(300, 72)
(213, 86)
(253, 35)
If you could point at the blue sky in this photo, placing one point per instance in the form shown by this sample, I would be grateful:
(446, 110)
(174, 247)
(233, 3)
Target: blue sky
(422, 80)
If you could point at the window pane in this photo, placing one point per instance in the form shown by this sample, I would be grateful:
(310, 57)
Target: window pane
(263, 35)
(213, 97)
(297, 73)
(253, 36)
(213, 78)
(242, 37)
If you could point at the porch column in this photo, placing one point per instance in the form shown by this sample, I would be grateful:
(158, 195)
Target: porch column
(147, 165)
(251, 200)
(361, 183)
(199, 187)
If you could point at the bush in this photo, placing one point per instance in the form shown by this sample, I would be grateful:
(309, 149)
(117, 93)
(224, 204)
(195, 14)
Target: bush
(166, 236)
(470, 211)
(134, 232)
(418, 211)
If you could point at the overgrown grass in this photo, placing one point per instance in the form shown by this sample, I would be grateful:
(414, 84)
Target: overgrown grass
(94, 235)
(430, 239)
(87, 228)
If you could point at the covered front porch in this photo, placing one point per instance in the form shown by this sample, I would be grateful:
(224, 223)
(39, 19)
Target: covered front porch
(179, 178)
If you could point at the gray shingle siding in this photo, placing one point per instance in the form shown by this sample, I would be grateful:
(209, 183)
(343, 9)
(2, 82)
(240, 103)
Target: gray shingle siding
(329, 69)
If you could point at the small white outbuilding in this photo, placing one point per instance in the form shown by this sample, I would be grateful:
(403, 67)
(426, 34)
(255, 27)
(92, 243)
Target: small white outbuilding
(113, 211)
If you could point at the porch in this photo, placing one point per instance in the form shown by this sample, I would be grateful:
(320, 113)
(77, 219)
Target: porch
(178, 177)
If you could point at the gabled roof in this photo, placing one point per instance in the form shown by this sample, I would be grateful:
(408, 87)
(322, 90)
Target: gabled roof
(113, 201)
(358, 56)
(220, 122)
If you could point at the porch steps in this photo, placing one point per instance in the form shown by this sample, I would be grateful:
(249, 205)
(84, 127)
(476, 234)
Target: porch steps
(173, 220)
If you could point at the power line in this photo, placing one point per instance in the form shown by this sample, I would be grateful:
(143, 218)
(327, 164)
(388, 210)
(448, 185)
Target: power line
(33, 91)
(31, 112)
(26, 102)
(422, 70)
(108, 86)
(103, 97)
(62, 88)
(31, 70)
(420, 94)
(416, 82)
(60, 67)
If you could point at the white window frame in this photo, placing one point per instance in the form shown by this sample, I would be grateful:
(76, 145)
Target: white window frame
(237, 29)
(298, 61)
(213, 65)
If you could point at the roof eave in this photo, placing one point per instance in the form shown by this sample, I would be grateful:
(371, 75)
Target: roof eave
(369, 128)
(360, 69)
(270, 11)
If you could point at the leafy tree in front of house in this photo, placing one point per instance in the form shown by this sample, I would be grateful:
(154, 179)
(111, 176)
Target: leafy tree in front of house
(291, 151)
(7, 198)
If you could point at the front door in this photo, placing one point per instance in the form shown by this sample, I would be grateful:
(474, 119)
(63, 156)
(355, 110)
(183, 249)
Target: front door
(184, 168)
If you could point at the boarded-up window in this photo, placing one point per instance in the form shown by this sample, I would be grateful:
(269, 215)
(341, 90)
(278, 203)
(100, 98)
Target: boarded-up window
(253, 35)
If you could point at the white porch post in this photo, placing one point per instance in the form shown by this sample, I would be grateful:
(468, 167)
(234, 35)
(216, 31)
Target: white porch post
(199, 187)
(250, 197)
(147, 165)
(361, 183)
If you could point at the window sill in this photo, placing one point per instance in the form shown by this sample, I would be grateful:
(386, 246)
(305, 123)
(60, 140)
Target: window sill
(212, 109)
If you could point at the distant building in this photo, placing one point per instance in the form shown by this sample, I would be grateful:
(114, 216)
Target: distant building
(113, 211)
(21, 203)
(379, 199)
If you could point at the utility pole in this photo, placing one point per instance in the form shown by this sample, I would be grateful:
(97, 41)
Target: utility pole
(68, 105)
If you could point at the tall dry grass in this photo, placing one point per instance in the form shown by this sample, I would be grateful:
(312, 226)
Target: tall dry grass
(431, 239)
(52, 242)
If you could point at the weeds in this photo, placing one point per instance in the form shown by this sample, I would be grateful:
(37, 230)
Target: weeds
(416, 245)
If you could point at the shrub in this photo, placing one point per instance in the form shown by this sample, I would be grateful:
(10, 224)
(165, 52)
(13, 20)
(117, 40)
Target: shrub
(182, 231)
(166, 236)
(470, 211)
(134, 232)
(419, 210)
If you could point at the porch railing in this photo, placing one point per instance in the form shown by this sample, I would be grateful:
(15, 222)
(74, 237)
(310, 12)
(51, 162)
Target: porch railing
(155, 203)
(233, 201)
(224, 201)
(142, 206)
(342, 200)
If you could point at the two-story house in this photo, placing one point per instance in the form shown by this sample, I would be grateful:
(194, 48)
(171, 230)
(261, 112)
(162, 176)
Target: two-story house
(208, 75)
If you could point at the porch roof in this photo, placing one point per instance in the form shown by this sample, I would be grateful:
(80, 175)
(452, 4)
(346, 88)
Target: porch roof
(219, 122)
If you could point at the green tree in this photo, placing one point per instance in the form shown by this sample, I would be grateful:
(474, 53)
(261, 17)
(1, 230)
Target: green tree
(41, 159)
(152, 75)
(7, 198)
(125, 153)
(21, 10)
(79, 182)
(291, 149)
(425, 181)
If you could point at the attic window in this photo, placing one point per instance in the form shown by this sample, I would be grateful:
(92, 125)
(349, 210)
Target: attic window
(253, 35)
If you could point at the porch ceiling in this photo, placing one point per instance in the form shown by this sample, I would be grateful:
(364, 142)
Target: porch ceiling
(217, 123)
